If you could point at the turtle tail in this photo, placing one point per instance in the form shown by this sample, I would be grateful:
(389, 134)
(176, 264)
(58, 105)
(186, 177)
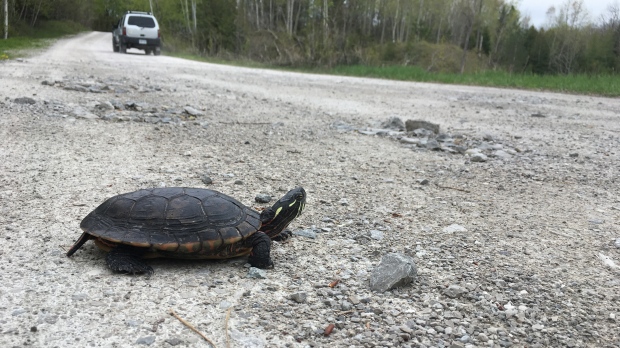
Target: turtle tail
(83, 239)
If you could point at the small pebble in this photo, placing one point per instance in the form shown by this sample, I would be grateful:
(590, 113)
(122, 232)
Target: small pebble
(454, 228)
(174, 341)
(478, 157)
(305, 233)
(376, 234)
(147, 341)
(257, 273)
(206, 180)
(299, 297)
(262, 198)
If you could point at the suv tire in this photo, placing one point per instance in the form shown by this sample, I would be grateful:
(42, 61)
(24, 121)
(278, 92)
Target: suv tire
(157, 51)
(123, 48)
(115, 46)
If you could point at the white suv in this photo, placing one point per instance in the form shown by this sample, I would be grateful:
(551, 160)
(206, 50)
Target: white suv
(137, 30)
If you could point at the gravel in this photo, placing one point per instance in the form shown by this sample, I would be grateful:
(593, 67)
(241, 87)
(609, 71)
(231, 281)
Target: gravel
(533, 261)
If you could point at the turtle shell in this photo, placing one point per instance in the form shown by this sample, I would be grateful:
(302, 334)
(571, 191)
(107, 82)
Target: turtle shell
(175, 222)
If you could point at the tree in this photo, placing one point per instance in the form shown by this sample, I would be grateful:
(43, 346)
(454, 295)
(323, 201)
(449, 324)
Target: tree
(6, 19)
(569, 36)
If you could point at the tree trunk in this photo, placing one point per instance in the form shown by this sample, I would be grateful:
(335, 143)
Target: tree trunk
(417, 24)
(439, 30)
(194, 15)
(289, 16)
(36, 14)
(467, 35)
(395, 21)
(325, 21)
(6, 19)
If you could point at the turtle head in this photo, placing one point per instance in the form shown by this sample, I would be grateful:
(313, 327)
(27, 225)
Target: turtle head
(275, 219)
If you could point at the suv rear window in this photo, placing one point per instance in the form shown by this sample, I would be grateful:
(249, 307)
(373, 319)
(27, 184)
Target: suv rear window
(144, 22)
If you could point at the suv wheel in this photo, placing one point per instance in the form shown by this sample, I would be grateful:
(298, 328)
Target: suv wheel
(115, 46)
(157, 50)
(147, 51)
(123, 48)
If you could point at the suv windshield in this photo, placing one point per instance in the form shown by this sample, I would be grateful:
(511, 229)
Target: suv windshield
(144, 22)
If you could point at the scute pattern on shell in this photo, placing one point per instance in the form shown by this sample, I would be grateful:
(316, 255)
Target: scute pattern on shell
(173, 220)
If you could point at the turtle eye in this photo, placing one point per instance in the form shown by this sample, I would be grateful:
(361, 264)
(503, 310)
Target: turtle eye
(299, 196)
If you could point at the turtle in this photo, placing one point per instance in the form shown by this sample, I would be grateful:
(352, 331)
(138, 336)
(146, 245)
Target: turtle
(187, 223)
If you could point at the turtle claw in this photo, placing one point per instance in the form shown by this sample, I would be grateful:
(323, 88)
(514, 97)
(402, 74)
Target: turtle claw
(283, 236)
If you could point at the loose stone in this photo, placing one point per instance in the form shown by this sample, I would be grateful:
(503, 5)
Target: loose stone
(478, 157)
(411, 125)
(299, 297)
(257, 273)
(174, 341)
(191, 111)
(393, 271)
(376, 234)
(206, 180)
(24, 100)
(147, 341)
(262, 198)
(305, 233)
(454, 228)
(454, 291)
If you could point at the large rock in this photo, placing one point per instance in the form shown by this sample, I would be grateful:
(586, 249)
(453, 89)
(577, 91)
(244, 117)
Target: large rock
(394, 270)
(24, 100)
(412, 125)
(393, 123)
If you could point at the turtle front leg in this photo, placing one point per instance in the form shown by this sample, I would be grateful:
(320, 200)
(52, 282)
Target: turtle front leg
(126, 259)
(283, 236)
(261, 247)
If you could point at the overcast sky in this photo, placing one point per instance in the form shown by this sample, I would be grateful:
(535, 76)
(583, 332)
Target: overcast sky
(537, 9)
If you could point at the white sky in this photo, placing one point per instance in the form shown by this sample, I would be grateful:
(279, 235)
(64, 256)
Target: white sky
(537, 9)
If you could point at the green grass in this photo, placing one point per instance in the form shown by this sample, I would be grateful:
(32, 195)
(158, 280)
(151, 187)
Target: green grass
(26, 38)
(605, 85)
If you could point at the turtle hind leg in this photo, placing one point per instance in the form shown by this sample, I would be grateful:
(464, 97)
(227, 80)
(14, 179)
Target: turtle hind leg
(126, 259)
(78, 244)
(261, 247)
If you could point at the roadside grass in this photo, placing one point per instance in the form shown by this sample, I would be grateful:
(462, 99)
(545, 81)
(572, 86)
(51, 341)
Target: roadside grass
(41, 36)
(604, 85)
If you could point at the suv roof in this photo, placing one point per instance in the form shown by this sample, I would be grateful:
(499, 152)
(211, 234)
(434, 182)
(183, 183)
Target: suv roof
(139, 12)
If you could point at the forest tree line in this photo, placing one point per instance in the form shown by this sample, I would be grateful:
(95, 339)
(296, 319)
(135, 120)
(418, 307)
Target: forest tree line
(438, 35)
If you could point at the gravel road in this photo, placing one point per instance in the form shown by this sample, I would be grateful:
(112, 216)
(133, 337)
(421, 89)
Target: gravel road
(510, 214)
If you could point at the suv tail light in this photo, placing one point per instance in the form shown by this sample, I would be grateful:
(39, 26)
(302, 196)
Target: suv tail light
(124, 30)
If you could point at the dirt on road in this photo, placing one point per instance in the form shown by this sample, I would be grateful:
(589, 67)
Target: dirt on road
(510, 213)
